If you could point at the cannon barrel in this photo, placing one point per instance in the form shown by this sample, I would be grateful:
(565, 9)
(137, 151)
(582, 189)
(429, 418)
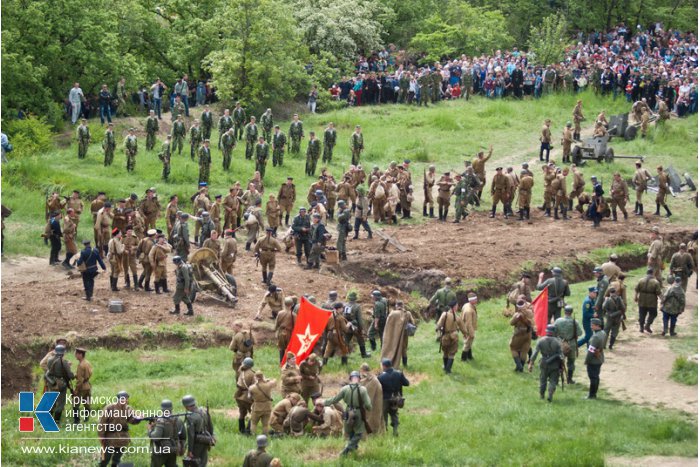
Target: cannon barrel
(221, 283)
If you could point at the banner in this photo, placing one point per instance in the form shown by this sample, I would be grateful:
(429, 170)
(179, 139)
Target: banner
(540, 305)
(310, 323)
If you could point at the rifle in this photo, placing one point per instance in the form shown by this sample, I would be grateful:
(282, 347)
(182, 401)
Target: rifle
(250, 338)
(152, 419)
(257, 260)
(65, 375)
(210, 425)
(562, 371)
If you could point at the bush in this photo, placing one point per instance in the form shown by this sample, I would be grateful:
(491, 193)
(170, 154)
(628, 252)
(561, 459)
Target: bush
(685, 371)
(29, 137)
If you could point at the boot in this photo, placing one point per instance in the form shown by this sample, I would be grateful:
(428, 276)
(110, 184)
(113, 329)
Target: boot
(247, 246)
(647, 328)
(343, 360)
(563, 213)
(521, 213)
(506, 212)
(444, 364)
(140, 281)
(571, 204)
(469, 355)
(425, 211)
(550, 394)
(570, 376)
(164, 285)
(264, 276)
(190, 311)
(447, 210)
(527, 213)
(658, 209)
(196, 239)
(641, 328)
(612, 342)
(113, 282)
(432, 213)
(641, 209)
(363, 351)
(556, 213)
(127, 282)
(450, 361)
(456, 221)
(624, 215)
(286, 220)
(673, 329)
(465, 355)
(395, 219)
(614, 214)
(325, 361)
(156, 284)
(636, 208)
(373, 344)
(269, 277)
(668, 211)
(404, 360)
(665, 331)
(493, 212)
(357, 235)
(136, 282)
(518, 364)
(548, 212)
(176, 311)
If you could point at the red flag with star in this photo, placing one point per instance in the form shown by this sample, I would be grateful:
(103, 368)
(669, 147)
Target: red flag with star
(310, 323)
(540, 307)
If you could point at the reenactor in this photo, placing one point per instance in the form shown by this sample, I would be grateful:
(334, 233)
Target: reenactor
(228, 252)
(262, 152)
(549, 77)
(213, 244)
(357, 145)
(103, 227)
(640, 179)
(655, 253)
(356, 398)
(52, 233)
(576, 186)
(258, 456)
(599, 130)
(113, 429)
(603, 282)
(515, 181)
(239, 119)
(392, 383)
(619, 194)
(273, 212)
(362, 213)
(313, 151)
(568, 330)
(150, 208)
(317, 239)
(273, 299)
(296, 133)
(610, 267)
(377, 197)
(119, 220)
(171, 215)
(467, 84)
(57, 379)
(473, 184)
(281, 410)
(336, 329)
(552, 357)
(215, 213)
(396, 334)
(232, 204)
(602, 119)
(225, 124)
(69, 230)
(195, 138)
(557, 288)
(693, 250)
(164, 157)
(424, 83)
(227, 144)
(242, 346)
(567, 139)
(206, 228)
(442, 298)
(672, 305)
(525, 194)
(200, 432)
(405, 190)
(343, 229)
(550, 175)
(310, 370)
(177, 110)
(257, 182)
(142, 252)
(329, 138)
(379, 315)
(436, 78)
(204, 162)
(468, 318)
(664, 189)
(353, 315)
(178, 133)
(301, 226)
(130, 242)
(83, 139)
(254, 223)
(331, 194)
(330, 421)
(115, 252)
(520, 290)
(647, 294)
(664, 113)
(479, 167)
(428, 183)
(109, 144)
(447, 326)
(286, 196)
(131, 147)
(266, 121)
(526, 167)
(284, 324)
(167, 435)
(595, 356)
(261, 395)
(578, 118)
(500, 191)
(152, 128)
(523, 323)
(560, 196)
(158, 259)
(546, 140)
(613, 310)
(251, 136)
(445, 185)
(207, 120)
(682, 264)
(404, 84)
(279, 140)
(83, 389)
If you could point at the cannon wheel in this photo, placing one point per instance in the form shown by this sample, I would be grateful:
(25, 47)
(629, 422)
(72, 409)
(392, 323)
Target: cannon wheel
(576, 155)
(689, 182)
(609, 155)
(232, 280)
(630, 133)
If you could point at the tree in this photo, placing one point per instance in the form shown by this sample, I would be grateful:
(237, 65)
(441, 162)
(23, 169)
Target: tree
(549, 40)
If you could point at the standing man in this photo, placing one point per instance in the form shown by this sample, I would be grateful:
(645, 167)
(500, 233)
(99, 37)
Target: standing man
(672, 305)
(266, 250)
(379, 315)
(353, 315)
(227, 143)
(151, 130)
(428, 184)
(442, 298)
(195, 138)
(523, 325)
(296, 133)
(664, 189)
(343, 229)
(479, 166)
(647, 294)
(115, 254)
(178, 134)
(567, 139)
(362, 213)
(550, 365)
(587, 313)
(286, 198)
(157, 89)
(640, 179)
(57, 379)
(545, 140)
(578, 118)
(266, 120)
(245, 378)
(357, 145)
(242, 346)
(682, 264)
(447, 327)
(83, 139)
(568, 330)
(392, 382)
(183, 286)
(121, 96)
(204, 162)
(70, 228)
(207, 119)
(469, 321)
(500, 192)
(317, 240)
(619, 194)
(200, 432)
(301, 226)
(114, 430)
(251, 136)
(239, 121)
(284, 324)
(142, 252)
(83, 388)
(279, 140)
(164, 157)
(525, 194)
(557, 289)
(336, 329)
(90, 257)
(396, 334)
(76, 98)
(261, 395)
(167, 436)
(313, 151)
(329, 139)
(310, 370)
(595, 357)
(131, 243)
(150, 208)
(109, 143)
(158, 259)
(177, 109)
(655, 253)
(445, 185)
(357, 403)
(613, 310)
(262, 152)
(131, 147)
(225, 124)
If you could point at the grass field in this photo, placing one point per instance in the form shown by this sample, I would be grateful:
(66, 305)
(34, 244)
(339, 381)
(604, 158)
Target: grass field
(446, 135)
(483, 414)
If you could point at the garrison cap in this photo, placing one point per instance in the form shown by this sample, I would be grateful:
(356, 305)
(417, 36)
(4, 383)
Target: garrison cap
(593, 288)
(86, 242)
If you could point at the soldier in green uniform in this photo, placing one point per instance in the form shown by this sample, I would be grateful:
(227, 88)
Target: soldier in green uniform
(442, 298)
(460, 193)
(552, 356)
(131, 147)
(164, 156)
(177, 110)
(613, 310)
(550, 75)
(152, 127)
(353, 315)
(83, 139)
(313, 151)
(467, 84)
(474, 185)
(200, 432)
(204, 162)
(227, 143)
(267, 123)
(183, 287)
(682, 265)
(238, 121)
(181, 237)
(404, 84)
(167, 437)
(424, 82)
(357, 401)
(279, 140)
(109, 144)
(296, 133)
(343, 229)
(57, 378)
(672, 305)
(251, 137)
(357, 145)
(195, 138)
(318, 242)
(595, 357)
(329, 138)
(647, 294)
(568, 330)
(379, 315)
(178, 134)
(258, 457)
(262, 152)
(207, 120)
(557, 289)
(602, 286)
(225, 123)
(436, 81)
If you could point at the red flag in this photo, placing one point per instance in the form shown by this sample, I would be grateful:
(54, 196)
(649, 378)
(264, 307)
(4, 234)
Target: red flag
(310, 324)
(540, 305)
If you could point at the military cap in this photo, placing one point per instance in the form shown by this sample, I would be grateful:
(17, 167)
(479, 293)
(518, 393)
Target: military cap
(122, 395)
(407, 161)
(499, 168)
(122, 200)
(86, 242)
(205, 213)
(177, 260)
(613, 256)
(83, 119)
(650, 270)
(188, 400)
(59, 349)
(337, 305)
(302, 209)
(386, 362)
(81, 350)
(248, 362)
(166, 404)
(677, 279)
(178, 213)
(550, 329)
(568, 309)
(291, 355)
(133, 196)
(525, 165)
(521, 303)
(115, 232)
(376, 293)
(311, 298)
(523, 172)
(431, 166)
(206, 140)
(184, 216)
(333, 293)
(446, 174)
(352, 296)
(160, 235)
(596, 321)
(682, 246)
(341, 202)
(365, 367)
(272, 288)
(568, 124)
(452, 303)
(593, 177)
(269, 229)
(217, 197)
(316, 215)
(471, 296)
(355, 374)
(593, 288)
(448, 281)
(151, 232)
(597, 269)
(612, 290)
(556, 270)
(261, 441)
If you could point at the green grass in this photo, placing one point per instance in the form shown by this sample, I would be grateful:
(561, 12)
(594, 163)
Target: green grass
(483, 414)
(685, 371)
(446, 135)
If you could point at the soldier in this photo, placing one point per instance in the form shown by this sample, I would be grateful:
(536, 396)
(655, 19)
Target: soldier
(317, 239)
(227, 144)
(520, 290)
(378, 197)
(392, 382)
(647, 294)
(550, 365)
(525, 194)
(404, 84)
(261, 395)
(468, 318)
(336, 329)
(177, 110)
(664, 189)
(356, 326)
(69, 230)
(158, 259)
(587, 313)
(266, 121)
(195, 138)
(262, 152)
(566, 140)
(258, 457)
(206, 228)
(130, 242)
(500, 192)
(640, 179)
(442, 298)
(178, 134)
(284, 324)
(546, 140)
(204, 162)
(379, 316)
(568, 330)
(448, 326)
(282, 409)
(523, 326)
(251, 136)
(232, 204)
(279, 140)
(557, 288)
(613, 310)
(109, 144)
(425, 84)
(595, 356)
(254, 223)
(200, 432)
(167, 435)
(313, 151)
(479, 167)
(83, 139)
(150, 208)
(143, 251)
(183, 286)
(361, 213)
(207, 120)
(396, 334)
(610, 267)
(428, 183)
(301, 226)
(152, 128)
(329, 421)
(113, 430)
(115, 252)
(245, 378)
(57, 379)
(225, 124)
(672, 305)
(329, 138)
(239, 119)
(357, 145)
(357, 400)
(164, 156)
(560, 200)
(103, 227)
(83, 389)
(343, 229)
(228, 252)
(682, 264)
(131, 147)
(296, 133)
(215, 213)
(90, 258)
(576, 187)
(655, 253)
(603, 282)
(578, 118)
(273, 299)
(310, 381)
(619, 194)
(445, 185)
(241, 345)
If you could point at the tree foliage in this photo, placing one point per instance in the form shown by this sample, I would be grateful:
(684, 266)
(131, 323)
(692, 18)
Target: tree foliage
(549, 40)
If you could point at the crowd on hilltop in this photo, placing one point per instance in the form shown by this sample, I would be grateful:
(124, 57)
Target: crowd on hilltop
(647, 63)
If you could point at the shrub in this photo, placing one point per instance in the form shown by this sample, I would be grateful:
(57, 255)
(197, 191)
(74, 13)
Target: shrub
(29, 137)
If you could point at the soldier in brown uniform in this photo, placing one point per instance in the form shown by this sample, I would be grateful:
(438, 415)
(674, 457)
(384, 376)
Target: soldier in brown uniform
(284, 324)
(131, 243)
(281, 411)
(336, 328)
(567, 138)
(377, 196)
(150, 208)
(599, 130)
(346, 190)
(550, 175)
(448, 326)
(520, 289)
(228, 252)
(158, 259)
(330, 193)
(261, 394)
(445, 185)
(479, 165)
(274, 299)
(213, 244)
(545, 140)
(97, 204)
(242, 345)
(523, 323)
(310, 381)
(171, 213)
(610, 267)
(201, 204)
(468, 317)
(215, 214)
(103, 227)
(119, 219)
(578, 117)
(576, 186)
(115, 253)
(266, 250)
(291, 377)
(619, 194)
(273, 213)
(682, 265)
(655, 253)
(75, 203)
(83, 388)
(232, 204)
(113, 429)
(245, 378)
(514, 182)
(663, 191)
(561, 202)
(70, 229)
(500, 192)
(525, 194)
(405, 190)
(54, 203)
(286, 198)
(142, 252)
(640, 179)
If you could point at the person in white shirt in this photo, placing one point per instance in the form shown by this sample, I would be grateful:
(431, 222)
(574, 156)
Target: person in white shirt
(76, 98)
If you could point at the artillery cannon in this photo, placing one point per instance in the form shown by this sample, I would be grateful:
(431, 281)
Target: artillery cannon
(675, 182)
(596, 149)
(619, 126)
(210, 279)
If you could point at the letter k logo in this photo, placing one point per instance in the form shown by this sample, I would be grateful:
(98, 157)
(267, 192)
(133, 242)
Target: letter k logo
(26, 404)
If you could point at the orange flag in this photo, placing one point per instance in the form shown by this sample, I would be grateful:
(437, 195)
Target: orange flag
(310, 323)
(540, 305)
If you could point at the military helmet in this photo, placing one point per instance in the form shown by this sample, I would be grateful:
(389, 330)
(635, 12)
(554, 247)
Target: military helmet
(376, 293)
(597, 269)
(568, 124)
(188, 400)
(352, 296)
(355, 374)
(338, 305)
(248, 362)
(59, 349)
(556, 271)
(333, 293)
(568, 309)
(261, 441)
(288, 301)
(550, 330)
(122, 395)
(205, 213)
(341, 203)
(177, 260)
(596, 321)
(166, 404)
